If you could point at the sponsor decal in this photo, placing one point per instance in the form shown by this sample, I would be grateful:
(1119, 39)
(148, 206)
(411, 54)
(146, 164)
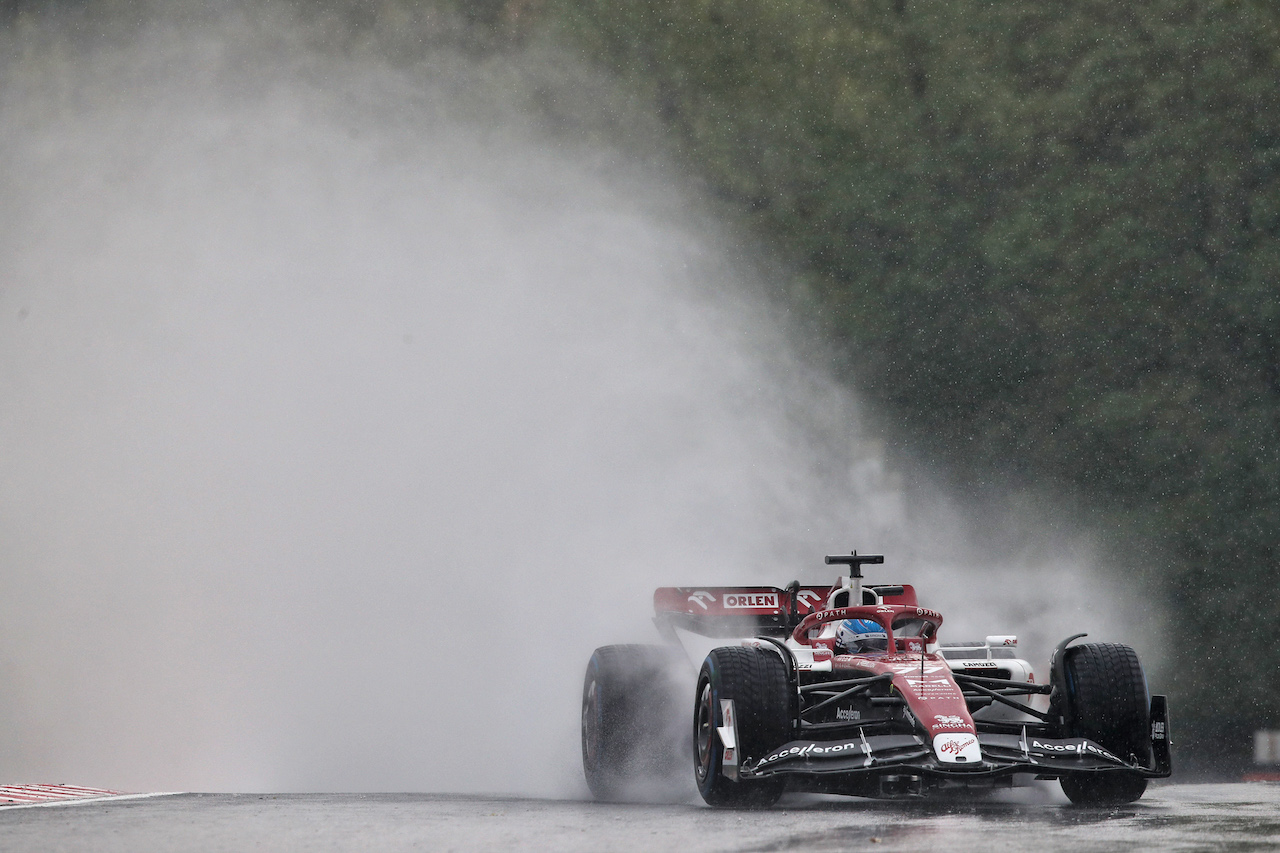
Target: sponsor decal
(980, 664)
(958, 748)
(820, 656)
(808, 597)
(1058, 747)
(952, 747)
(812, 750)
(916, 669)
(843, 613)
(701, 597)
(1078, 747)
(949, 721)
(742, 600)
(847, 613)
(848, 714)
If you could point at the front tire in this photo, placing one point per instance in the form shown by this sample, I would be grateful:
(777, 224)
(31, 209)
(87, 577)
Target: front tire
(1106, 689)
(1109, 789)
(756, 681)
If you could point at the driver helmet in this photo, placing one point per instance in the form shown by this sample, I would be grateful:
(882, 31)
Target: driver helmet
(861, 635)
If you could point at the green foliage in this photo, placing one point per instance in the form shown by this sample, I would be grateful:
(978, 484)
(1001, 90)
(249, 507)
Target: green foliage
(1048, 236)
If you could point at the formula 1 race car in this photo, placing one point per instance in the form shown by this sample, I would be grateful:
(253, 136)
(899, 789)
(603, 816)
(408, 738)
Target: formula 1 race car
(791, 707)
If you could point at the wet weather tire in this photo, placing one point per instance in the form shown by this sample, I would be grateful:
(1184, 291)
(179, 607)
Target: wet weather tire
(1103, 790)
(1106, 689)
(632, 719)
(756, 681)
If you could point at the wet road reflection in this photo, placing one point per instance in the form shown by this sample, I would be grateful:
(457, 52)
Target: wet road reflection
(1240, 817)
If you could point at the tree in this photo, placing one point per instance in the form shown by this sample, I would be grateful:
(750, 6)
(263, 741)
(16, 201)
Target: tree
(1047, 236)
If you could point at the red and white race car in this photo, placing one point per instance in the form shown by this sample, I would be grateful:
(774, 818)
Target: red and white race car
(789, 707)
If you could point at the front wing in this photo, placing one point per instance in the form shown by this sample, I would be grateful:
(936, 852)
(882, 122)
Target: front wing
(1002, 755)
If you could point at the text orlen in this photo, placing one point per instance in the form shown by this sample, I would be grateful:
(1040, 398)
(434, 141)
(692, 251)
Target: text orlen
(743, 600)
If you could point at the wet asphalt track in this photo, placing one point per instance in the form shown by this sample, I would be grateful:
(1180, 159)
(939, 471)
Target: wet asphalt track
(1171, 817)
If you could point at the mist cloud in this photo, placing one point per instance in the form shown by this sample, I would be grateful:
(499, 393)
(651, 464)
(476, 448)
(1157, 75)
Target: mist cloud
(342, 418)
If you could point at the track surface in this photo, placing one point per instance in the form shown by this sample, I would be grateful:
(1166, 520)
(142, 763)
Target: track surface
(1171, 817)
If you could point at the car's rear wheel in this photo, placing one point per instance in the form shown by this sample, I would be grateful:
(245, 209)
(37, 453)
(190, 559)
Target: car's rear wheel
(631, 722)
(756, 681)
(1106, 689)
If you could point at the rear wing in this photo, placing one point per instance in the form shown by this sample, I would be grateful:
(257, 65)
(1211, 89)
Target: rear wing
(744, 611)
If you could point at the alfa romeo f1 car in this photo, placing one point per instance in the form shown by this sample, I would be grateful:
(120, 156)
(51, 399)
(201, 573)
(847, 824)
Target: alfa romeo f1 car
(790, 707)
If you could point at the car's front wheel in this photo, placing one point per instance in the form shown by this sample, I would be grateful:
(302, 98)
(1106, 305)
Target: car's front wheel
(1103, 790)
(1107, 692)
(756, 681)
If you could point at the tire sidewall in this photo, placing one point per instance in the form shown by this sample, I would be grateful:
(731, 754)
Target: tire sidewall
(707, 784)
(593, 746)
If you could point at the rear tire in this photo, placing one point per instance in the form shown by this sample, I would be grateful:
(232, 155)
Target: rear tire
(631, 722)
(756, 681)
(1106, 689)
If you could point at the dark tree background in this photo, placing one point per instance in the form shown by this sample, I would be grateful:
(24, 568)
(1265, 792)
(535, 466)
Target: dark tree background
(1047, 237)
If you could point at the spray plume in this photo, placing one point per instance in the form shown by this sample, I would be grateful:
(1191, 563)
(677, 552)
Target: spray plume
(346, 407)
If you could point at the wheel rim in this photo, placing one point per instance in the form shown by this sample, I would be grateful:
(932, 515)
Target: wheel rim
(705, 730)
